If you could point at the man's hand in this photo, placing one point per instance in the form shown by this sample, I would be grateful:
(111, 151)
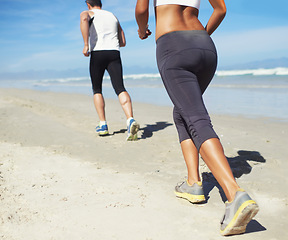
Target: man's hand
(86, 51)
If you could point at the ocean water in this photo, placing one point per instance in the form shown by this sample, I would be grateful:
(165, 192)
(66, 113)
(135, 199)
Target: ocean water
(249, 93)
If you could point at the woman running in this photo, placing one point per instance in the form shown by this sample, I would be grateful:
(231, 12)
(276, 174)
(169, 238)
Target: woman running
(187, 60)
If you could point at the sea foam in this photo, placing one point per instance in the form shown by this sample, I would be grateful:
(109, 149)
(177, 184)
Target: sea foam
(255, 72)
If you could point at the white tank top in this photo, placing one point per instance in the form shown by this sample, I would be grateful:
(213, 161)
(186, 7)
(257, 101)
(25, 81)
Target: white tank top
(103, 31)
(189, 3)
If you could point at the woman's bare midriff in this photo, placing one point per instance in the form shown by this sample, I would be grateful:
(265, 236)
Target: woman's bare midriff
(170, 18)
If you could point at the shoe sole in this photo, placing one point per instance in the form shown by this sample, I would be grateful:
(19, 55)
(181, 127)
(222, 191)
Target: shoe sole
(190, 197)
(243, 216)
(103, 133)
(134, 128)
(132, 137)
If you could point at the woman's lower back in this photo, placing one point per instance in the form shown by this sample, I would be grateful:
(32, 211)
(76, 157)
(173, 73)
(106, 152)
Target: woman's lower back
(170, 18)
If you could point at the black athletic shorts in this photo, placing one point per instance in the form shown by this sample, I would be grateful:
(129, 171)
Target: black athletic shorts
(106, 60)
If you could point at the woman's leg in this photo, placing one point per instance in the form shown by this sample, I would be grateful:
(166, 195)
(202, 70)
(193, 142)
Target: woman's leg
(189, 151)
(184, 90)
(213, 155)
(186, 74)
(191, 157)
(182, 71)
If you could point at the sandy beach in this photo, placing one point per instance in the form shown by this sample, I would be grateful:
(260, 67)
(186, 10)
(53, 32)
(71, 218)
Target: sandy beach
(60, 180)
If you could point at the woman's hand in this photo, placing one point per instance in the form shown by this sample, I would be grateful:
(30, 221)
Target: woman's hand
(144, 34)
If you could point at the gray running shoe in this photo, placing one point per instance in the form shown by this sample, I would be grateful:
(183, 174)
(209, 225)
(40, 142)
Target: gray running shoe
(238, 214)
(193, 194)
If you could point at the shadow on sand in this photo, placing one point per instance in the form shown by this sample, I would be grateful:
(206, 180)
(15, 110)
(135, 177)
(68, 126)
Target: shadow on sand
(148, 131)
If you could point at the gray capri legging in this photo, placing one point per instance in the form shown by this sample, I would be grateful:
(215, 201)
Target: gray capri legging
(187, 61)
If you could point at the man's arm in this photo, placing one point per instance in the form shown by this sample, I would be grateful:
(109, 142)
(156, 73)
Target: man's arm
(121, 36)
(84, 27)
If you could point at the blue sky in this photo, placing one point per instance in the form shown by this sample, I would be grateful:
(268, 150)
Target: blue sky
(45, 35)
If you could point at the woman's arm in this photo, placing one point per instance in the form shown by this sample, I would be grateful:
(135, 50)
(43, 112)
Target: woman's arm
(217, 15)
(121, 36)
(142, 15)
(84, 27)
